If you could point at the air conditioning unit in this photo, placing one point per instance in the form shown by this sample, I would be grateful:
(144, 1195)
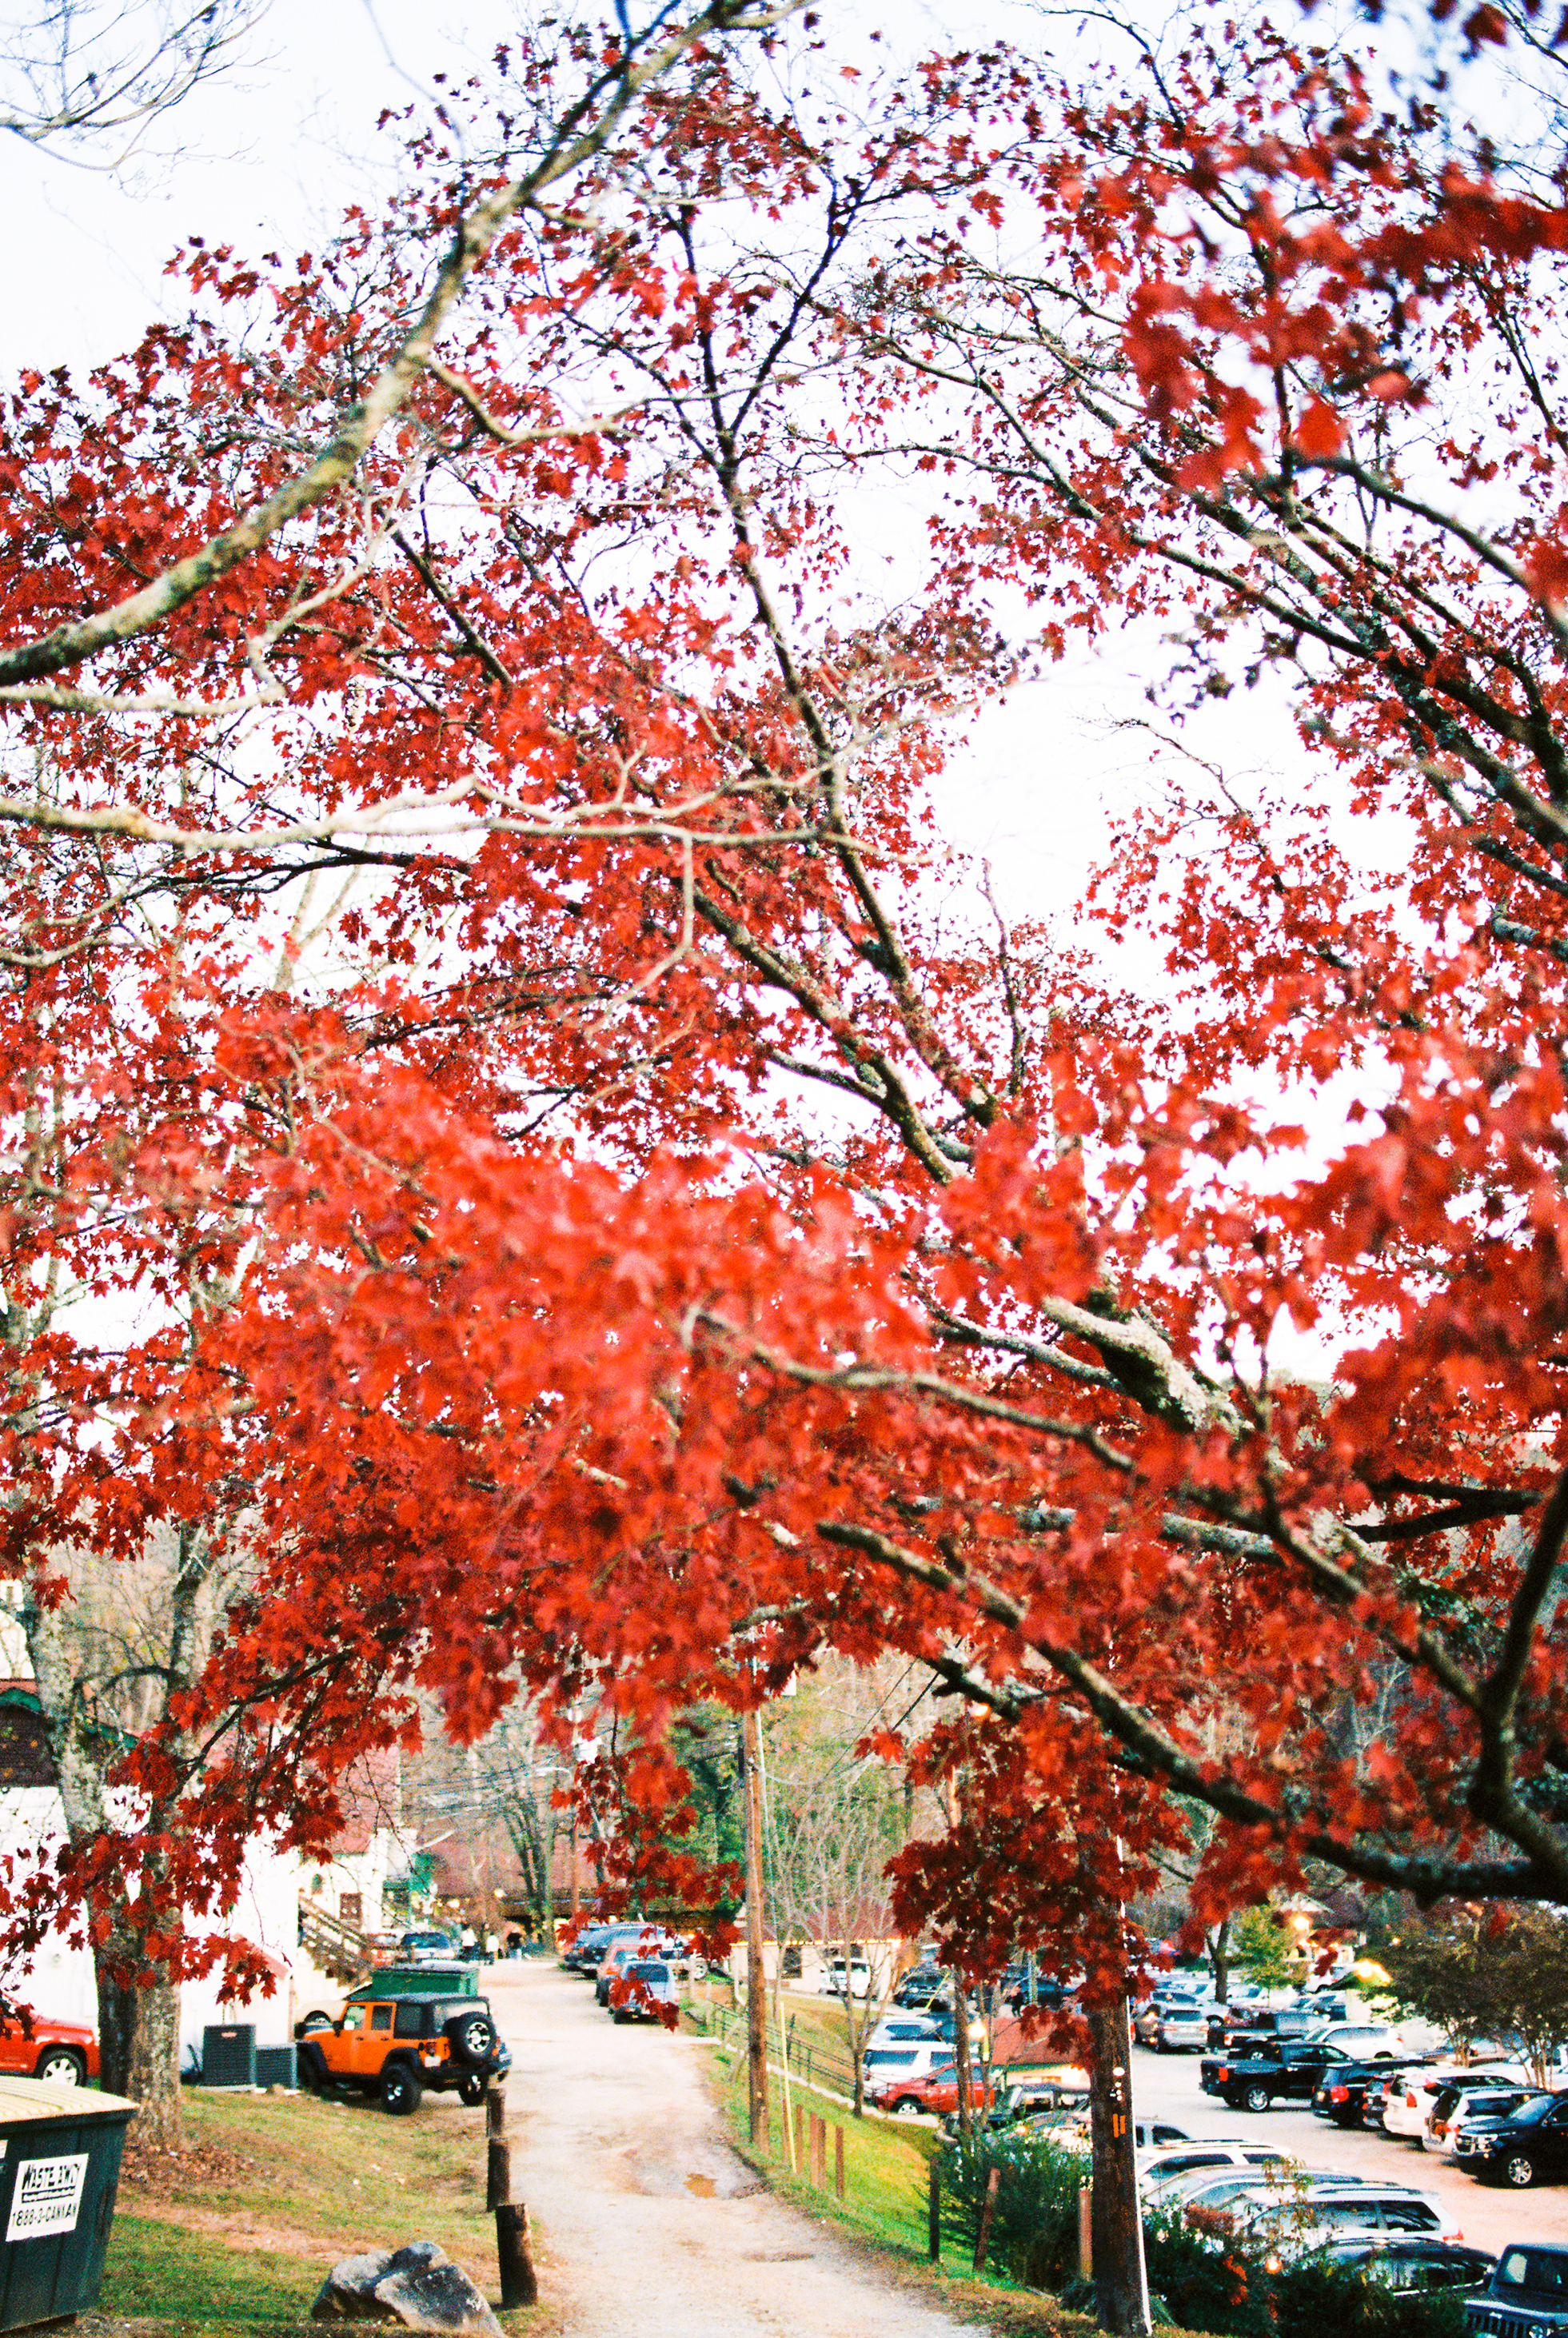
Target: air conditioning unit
(229, 2054)
(275, 2067)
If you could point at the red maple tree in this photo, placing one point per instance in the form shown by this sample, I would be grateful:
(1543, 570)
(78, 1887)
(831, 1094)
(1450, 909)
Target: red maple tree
(701, 1246)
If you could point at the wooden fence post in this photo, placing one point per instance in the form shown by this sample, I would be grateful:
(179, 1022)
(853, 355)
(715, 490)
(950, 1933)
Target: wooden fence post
(983, 2236)
(819, 2150)
(800, 2136)
(838, 2161)
(498, 2152)
(1085, 2233)
(933, 2213)
(518, 2284)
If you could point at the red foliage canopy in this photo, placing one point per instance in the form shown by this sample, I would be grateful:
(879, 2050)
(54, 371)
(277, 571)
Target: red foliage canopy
(666, 1238)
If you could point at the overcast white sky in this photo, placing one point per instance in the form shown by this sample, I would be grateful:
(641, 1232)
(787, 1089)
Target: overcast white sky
(268, 156)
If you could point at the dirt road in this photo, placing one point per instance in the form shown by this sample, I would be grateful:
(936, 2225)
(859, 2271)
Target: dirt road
(646, 2221)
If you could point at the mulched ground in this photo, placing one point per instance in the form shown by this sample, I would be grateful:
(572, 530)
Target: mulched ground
(196, 2167)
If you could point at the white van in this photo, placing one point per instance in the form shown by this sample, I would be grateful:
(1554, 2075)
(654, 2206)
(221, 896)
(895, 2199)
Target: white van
(859, 1977)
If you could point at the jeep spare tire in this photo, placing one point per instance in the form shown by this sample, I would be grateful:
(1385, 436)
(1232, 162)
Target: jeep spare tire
(312, 2021)
(472, 2037)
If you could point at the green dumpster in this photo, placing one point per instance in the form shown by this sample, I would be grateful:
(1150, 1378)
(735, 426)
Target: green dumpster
(60, 2151)
(416, 1980)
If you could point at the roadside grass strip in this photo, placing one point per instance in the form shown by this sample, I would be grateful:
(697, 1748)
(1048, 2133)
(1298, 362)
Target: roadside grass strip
(274, 2189)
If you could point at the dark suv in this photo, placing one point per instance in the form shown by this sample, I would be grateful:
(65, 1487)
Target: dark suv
(1528, 2292)
(1530, 2147)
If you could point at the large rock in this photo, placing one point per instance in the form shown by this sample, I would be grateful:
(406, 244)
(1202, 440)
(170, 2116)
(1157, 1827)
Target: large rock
(418, 2286)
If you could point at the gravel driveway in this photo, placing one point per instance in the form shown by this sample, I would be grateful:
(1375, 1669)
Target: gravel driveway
(646, 2221)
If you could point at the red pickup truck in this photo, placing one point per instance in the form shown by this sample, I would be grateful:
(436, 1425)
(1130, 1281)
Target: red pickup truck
(34, 2047)
(933, 2090)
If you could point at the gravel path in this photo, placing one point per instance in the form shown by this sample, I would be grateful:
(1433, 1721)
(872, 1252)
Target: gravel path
(647, 2222)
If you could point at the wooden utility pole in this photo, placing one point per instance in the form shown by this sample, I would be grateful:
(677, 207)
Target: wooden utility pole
(756, 1980)
(1120, 2278)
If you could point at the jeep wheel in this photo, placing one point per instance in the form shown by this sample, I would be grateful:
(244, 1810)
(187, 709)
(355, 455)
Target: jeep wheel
(472, 2037)
(1518, 2171)
(1256, 2098)
(59, 2066)
(312, 2067)
(399, 2089)
(471, 2088)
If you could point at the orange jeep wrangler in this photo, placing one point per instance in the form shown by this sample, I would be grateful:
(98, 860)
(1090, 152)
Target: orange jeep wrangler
(395, 2047)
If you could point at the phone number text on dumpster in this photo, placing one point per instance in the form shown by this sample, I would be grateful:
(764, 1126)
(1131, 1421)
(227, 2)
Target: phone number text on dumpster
(48, 2196)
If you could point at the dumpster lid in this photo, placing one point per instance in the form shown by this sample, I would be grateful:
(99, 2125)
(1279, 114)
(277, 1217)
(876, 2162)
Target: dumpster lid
(26, 2098)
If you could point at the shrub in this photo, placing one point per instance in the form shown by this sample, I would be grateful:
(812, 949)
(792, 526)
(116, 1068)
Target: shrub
(1207, 2280)
(1315, 2297)
(1204, 2276)
(1034, 2224)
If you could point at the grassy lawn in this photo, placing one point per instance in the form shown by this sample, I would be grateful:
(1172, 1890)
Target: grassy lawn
(886, 2178)
(275, 2189)
(886, 2164)
(818, 2032)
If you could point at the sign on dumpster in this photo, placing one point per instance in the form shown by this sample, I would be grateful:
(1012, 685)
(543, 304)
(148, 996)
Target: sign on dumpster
(48, 2196)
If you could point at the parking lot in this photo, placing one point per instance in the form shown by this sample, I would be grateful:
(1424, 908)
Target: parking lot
(1167, 2086)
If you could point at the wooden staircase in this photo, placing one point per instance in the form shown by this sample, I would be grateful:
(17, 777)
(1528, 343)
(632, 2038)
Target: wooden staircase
(335, 1947)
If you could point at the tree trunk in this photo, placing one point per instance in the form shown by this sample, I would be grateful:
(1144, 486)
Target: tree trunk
(139, 2036)
(961, 2052)
(1121, 2282)
(139, 2049)
(1218, 1945)
(756, 1978)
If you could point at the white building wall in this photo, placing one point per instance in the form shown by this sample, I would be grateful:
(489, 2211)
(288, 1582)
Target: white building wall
(59, 1977)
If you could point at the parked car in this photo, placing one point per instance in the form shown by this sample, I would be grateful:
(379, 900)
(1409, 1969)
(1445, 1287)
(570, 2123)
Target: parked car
(1341, 2093)
(912, 2059)
(935, 2090)
(641, 1987)
(581, 1952)
(1392, 2261)
(35, 2046)
(1183, 2029)
(1529, 2146)
(1526, 2298)
(1048, 2105)
(1071, 2128)
(1377, 2097)
(1455, 2102)
(636, 1939)
(1147, 2017)
(396, 2047)
(1162, 2170)
(1216, 2188)
(1300, 2227)
(1407, 2107)
(908, 2028)
(1228, 2023)
(1364, 2041)
(1276, 2069)
(854, 1975)
(923, 1989)
(427, 1949)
